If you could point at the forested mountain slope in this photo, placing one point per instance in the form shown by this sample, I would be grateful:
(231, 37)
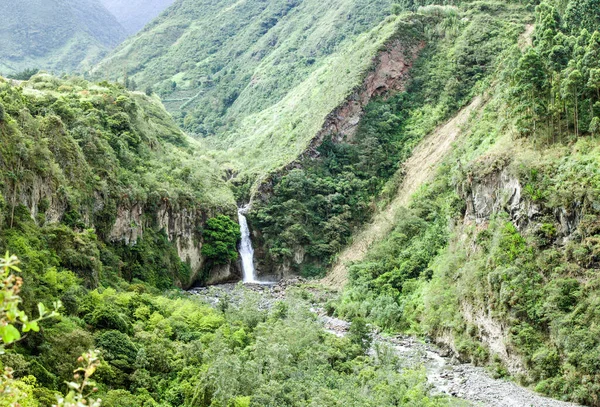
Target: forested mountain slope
(313, 209)
(58, 35)
(497, 257)
(103, 170)
(133, 15)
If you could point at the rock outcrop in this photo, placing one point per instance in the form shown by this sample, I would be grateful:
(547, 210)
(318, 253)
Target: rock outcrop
(502, 191)
(130, 221)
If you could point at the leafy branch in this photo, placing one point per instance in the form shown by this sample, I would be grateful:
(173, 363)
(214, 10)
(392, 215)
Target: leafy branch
(11, 316)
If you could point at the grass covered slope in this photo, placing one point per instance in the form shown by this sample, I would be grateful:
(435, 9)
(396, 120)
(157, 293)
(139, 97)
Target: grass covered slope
(214, 63)
(57, 35)
(88, 171)
(276, 136)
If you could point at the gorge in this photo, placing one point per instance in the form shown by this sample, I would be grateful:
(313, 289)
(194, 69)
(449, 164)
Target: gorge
(252, 203)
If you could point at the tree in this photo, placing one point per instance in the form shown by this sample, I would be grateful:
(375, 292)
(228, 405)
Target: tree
(571, 89)
(583, 14)
(531, 86)
(24, 75)
(2, 113)
(547, 26)
(359, 333)
(594, 81)
(221, 235)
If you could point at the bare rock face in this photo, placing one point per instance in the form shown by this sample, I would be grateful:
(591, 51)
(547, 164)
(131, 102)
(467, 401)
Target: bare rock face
(498, 192)
(180, 226)
(225, 273)
(502, 191)
(128, 227)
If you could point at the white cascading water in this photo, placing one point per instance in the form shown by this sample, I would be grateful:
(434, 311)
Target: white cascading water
(246, 250)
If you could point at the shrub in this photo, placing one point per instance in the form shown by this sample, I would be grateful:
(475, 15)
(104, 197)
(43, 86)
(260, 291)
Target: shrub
(221, 235)
(118, 349)
(106, 316)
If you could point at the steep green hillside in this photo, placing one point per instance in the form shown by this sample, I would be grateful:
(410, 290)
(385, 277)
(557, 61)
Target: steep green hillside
(133, 15)
(58, 35)
(214, 62)
(102, 182)
(241, 68)
(497, 257)
(315, 208)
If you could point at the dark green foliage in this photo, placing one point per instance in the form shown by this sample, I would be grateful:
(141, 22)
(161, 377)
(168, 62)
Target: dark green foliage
(221, 235)
(582, 14)
(557, 82)
(117, 349)
(24, 75)
(108, 317)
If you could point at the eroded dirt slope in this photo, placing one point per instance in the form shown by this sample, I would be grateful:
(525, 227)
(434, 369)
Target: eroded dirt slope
(418, 169)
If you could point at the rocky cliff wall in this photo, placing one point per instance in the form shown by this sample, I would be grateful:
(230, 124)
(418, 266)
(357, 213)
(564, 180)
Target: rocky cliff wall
(501, 191)
(130, 221)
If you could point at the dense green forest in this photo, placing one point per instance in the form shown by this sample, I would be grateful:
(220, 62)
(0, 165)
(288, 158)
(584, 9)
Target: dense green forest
(310, 111)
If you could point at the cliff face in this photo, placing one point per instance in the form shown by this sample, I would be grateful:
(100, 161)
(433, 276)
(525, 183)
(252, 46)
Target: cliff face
(502, 192)
(131, 220)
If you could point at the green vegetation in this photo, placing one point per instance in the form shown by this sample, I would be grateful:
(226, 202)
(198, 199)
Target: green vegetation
(221, 235)
(209, 58)
(533, 272)
(259, 88)
(174, 350)
(110, 206)
(89, 170)
(58, 35)
(317, 208)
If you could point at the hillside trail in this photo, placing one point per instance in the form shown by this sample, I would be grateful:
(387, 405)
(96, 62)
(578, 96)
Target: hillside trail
(418, 169)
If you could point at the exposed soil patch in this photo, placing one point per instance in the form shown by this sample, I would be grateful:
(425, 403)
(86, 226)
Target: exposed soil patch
(418, 169)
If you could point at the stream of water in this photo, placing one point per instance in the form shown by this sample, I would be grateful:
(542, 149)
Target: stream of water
(246, 250)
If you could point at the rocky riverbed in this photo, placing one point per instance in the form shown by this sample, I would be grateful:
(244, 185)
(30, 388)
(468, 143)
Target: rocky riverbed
(445, 373)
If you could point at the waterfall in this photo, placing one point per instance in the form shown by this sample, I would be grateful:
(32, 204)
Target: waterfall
(246, 250)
